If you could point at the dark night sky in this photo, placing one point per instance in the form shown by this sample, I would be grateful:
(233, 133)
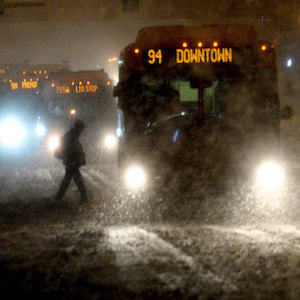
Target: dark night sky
(86, 43)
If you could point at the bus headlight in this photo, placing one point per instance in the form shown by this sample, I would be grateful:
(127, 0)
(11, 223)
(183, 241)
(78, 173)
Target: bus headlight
(135, 177)
(53, 142)
(12, 133)
(270, 177)
(110, 141)
(40, 129)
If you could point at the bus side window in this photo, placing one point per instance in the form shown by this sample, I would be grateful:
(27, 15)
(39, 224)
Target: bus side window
(210, 101)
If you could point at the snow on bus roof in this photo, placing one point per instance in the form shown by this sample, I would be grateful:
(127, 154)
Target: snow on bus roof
(240, 34)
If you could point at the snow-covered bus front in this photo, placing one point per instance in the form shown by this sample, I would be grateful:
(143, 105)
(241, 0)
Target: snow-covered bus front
(198, 106)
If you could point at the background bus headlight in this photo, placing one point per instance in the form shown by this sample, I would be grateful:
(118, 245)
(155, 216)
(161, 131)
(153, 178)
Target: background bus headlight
(110, 141)
(135, 177)
(270, 177)
(40, 129)
(12, 132)
(53, 142)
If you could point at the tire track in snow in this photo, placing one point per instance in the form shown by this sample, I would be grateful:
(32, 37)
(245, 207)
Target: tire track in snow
(136, 247)
(103, 177)
(286, 236)
(96, 177)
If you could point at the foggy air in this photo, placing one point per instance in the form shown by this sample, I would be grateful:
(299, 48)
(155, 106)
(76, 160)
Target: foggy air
(149, 149)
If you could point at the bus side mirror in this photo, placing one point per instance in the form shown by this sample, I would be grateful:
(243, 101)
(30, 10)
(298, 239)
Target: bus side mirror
(286, 112)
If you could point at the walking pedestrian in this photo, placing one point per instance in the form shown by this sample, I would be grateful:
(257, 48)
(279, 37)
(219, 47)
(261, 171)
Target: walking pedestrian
(73, 157)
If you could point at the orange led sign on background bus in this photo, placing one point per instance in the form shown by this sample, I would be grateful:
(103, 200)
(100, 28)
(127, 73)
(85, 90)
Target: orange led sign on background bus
(62, 90)
(29, 84)
(88, 88)
(14, 85)
(24, 85)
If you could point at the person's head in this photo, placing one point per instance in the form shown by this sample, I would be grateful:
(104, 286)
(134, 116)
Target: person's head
(78, 126)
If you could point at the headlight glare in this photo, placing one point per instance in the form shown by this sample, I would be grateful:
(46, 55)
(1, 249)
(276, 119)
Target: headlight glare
(40, 129)
(270, 177)
(135, 177)
(53, 142)
(110, 141)
(12, 132)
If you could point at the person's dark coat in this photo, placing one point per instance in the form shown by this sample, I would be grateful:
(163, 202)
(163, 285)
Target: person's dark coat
(73, 157)
(71, 151)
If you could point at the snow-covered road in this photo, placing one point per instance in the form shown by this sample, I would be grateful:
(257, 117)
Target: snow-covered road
(164, 261)
(39, 182)
(64, 251)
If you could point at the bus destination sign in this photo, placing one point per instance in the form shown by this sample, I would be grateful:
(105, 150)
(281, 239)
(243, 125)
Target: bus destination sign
(189, 55)
(86, 88)
(24, 85)
(78, 89)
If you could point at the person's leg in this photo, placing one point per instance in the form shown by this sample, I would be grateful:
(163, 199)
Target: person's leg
(80, 184)
(64, 184)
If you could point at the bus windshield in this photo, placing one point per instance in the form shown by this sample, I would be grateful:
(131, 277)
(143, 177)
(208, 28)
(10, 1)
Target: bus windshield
(154, 96)
(218, 79)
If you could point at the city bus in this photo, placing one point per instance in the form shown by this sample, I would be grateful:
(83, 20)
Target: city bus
(86, 95)
(197, 105)
(22, 110)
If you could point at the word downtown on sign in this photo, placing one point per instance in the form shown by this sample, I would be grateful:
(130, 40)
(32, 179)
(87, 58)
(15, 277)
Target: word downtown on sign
(190, 56)
(205, 55)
